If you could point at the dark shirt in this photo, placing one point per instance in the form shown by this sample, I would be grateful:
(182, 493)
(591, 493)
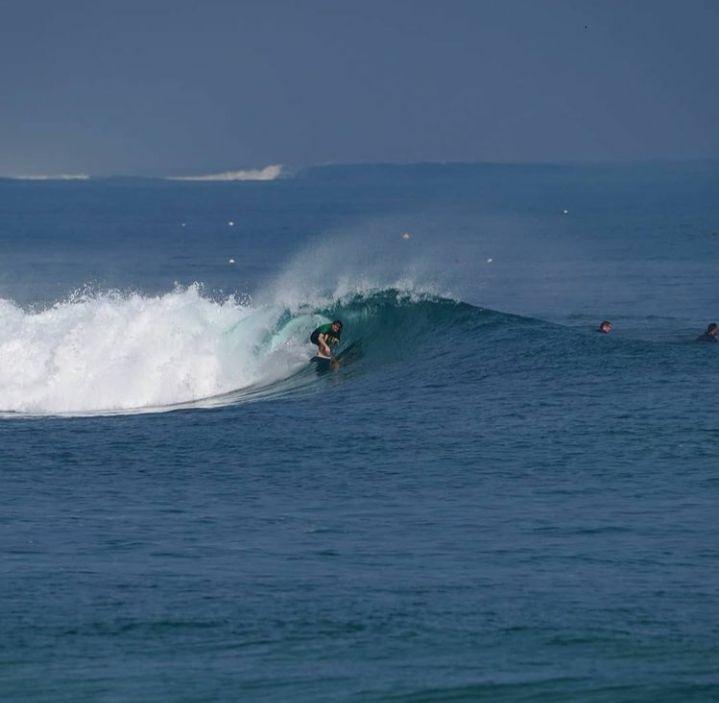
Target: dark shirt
(706, 338)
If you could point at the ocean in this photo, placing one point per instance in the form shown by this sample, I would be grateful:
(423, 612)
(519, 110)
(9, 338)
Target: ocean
(487, 500)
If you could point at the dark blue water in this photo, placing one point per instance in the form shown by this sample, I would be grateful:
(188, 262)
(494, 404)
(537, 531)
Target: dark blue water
(487, 501)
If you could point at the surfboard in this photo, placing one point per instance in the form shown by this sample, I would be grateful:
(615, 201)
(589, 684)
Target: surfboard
(322, 357)
(349, 354)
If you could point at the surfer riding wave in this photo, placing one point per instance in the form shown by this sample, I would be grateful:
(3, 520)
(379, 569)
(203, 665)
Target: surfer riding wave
(325, 337)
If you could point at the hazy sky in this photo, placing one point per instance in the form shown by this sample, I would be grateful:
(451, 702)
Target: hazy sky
(179, 86)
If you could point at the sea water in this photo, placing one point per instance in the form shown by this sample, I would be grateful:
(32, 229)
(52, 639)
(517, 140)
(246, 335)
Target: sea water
(487, 501)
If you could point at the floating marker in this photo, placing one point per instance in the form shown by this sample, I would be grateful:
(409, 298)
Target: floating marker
(566, 212)
(489, 261)
(231, 261)
(184, 224)
(231, 223)
(406, 235)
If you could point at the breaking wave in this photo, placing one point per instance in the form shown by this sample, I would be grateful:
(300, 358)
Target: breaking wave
(51, 177)
(268, 173)
(112, 352)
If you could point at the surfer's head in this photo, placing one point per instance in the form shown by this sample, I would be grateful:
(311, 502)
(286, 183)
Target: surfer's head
(337, 326)
(605, 327)
(713, 329)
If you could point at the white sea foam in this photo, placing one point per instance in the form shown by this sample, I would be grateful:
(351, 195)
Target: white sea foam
(52, 177)
(112, 352)
(268, 173)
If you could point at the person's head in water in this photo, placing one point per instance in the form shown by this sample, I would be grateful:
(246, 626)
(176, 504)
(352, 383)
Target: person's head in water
(337, 327)
(605, 327)
(711, 334)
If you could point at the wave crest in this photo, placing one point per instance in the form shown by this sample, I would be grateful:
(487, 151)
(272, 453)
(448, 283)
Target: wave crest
(52, 177)
(268, 173)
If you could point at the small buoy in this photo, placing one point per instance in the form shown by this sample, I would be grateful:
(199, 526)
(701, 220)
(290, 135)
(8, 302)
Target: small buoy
(231, 223)
(406, 235)
(489, 261)
(566, 212)
(232, 261)
(184, 224)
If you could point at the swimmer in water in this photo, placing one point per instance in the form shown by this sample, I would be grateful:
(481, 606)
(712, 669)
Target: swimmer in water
(605, 327)
(710, 335)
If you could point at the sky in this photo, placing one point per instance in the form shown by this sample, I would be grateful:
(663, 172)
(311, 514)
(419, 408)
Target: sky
(180, 87)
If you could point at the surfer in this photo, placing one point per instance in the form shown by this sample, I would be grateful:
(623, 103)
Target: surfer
(605, 327)
(710, 335)
(327, 336)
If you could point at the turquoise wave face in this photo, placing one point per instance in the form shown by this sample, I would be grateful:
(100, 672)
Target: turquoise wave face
(393, 335)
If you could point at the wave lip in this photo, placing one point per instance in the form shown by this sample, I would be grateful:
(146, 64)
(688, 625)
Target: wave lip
(268, 173)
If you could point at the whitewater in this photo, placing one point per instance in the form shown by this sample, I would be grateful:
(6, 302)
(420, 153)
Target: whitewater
(110, 352)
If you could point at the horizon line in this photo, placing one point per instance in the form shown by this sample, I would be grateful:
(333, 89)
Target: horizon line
(274, 172)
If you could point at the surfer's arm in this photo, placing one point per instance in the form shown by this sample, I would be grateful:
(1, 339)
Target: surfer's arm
(322, 339)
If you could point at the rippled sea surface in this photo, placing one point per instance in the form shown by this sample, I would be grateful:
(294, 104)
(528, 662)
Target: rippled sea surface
(488, 500)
